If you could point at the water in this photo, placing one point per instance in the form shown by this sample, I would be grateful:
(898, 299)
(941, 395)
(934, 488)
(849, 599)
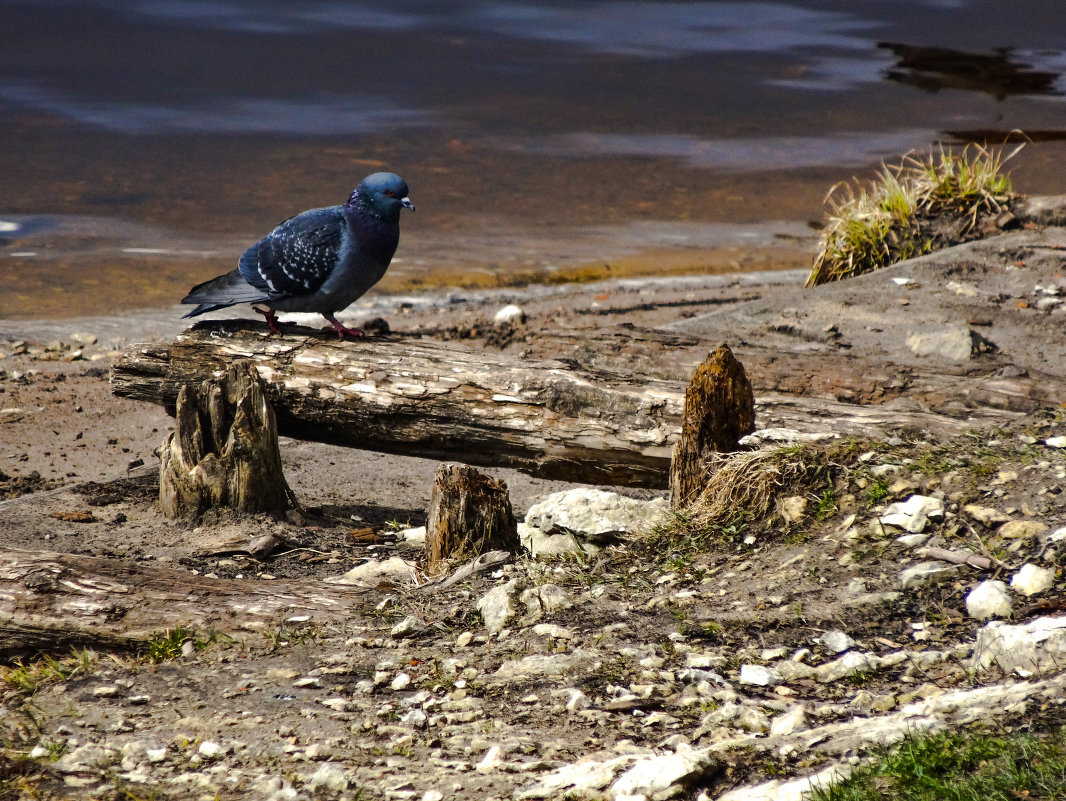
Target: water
(144, 143)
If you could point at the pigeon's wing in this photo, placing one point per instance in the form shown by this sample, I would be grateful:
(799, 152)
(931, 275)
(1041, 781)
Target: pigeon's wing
(298, 256)
(226, 290)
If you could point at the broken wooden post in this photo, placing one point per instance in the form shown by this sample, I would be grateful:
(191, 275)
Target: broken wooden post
(719, 410)
(224, 452)
(469, 514)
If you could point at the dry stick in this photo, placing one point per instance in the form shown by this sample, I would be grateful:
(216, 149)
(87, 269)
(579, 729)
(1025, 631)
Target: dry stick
(481, 563)
(958, 557)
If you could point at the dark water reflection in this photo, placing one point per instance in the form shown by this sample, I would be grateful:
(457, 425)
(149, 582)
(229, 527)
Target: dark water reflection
(528, 131)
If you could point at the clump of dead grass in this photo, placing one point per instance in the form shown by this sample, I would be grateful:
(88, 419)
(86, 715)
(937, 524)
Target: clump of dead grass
(924, 203)
(742, 490)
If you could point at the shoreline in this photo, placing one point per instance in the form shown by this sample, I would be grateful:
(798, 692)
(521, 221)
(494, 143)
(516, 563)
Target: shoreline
(76, 267)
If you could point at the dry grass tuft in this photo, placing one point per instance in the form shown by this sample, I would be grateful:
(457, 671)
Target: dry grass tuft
(750, 482)
(922, 204)
(741, 490)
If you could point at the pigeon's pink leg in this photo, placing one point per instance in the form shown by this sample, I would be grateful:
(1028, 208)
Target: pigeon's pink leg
(341, 330)
(271, 318)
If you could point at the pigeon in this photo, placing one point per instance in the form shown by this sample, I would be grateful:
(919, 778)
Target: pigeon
(319, 261)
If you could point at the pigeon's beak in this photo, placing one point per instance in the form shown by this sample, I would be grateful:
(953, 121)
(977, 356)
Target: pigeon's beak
(407, 203)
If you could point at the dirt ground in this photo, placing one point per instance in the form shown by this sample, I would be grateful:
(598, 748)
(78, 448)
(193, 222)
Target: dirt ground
(77, 476)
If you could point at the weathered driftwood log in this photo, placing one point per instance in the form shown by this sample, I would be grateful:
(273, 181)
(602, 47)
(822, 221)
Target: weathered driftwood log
(53, 602)
(442, 401)
(469, 513)
(434, 400)
(224, 453)
(719, 410)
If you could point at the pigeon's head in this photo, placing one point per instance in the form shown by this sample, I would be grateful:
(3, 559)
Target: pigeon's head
(383, 194)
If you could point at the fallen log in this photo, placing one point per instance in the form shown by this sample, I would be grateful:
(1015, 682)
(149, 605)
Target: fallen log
(438, 400)
(435, 400)
(51, 602)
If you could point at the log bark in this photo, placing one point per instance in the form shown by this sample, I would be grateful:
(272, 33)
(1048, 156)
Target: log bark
(550, 417)
(469, 513)
(719, 410)
(51, 602)
(224, 453)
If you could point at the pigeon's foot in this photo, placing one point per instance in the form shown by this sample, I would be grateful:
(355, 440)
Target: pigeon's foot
(271, 318)
(341, 330)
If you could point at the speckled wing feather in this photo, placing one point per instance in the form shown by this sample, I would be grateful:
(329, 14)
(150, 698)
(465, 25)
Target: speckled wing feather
(298, 256)
(292, 260)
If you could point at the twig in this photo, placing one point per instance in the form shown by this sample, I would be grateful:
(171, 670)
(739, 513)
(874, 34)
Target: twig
(484, 562)
(958, 557)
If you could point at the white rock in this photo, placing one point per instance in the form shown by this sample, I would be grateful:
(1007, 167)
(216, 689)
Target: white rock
(795, 719)
(416, 719)
(913, 514)
(985, 514)
(912, 540)
(1055, 442)
(1037, 646)
(1021, 529)
(578, 700)
(510, 314)
(401, 682)
(789, 789)
(759, 675)
(410, 626)
(545, 599)
(329, 777)
(374, 572)
(156, 754)
(662, 776)
(956, 344)
(784, 436)
(792, 509)
(594, 514)
(578, 779)
(850, 663)
(491, 761)
(553, 631)
(209, 749)
(539, 666)
(836, 641)
(413, 537)
(925, 573)
(989, 599)
(432, 795)
(1031, 579)
(541, 545)
(753, 719)
(496, 606)
(464, 639)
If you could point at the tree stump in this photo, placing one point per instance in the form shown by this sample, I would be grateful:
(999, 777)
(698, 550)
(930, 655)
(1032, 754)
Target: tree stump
(224, 453)
(719, 410)
(469, 514)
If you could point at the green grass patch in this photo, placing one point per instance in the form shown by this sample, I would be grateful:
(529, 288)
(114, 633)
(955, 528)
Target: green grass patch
(952, 766)
(919, 205)
(26, 678)
(168, 644)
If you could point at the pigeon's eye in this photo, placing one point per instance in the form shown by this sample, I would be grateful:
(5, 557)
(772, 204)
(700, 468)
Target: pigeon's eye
(391, 193)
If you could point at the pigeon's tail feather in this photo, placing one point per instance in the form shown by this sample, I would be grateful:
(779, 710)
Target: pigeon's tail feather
(226, 290)
(203, 308)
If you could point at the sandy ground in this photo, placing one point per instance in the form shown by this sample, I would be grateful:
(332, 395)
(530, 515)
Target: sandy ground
(79, 477)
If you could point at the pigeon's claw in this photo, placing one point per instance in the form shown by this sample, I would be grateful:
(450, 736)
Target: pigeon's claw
(271, 318)
(343, 331)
